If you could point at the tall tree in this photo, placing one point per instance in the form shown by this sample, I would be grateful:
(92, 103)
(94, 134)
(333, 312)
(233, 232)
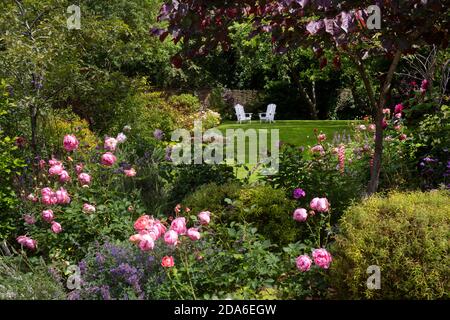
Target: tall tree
(359, 29)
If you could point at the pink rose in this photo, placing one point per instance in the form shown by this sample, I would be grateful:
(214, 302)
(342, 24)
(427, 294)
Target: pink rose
(62, 196)
(204, 217)
(398, 115)
(56, 170)
(84, 179)
(387, 111)
(53, 162)
(56, 227)
(161, 227)
(79, 168)
(402, 137)
(64, 176)
(362, 127)
(322, 258)
(303, 263)
(320, 204)
(110, 144)
(317, 149)
(29, 219)
(147, 243)
(398, 127)
(46, 192)
(88, 208)
(108, 159)
(142, 223)
(398, 108)
(27, 242)
(70, 142)
(130, 173)
(32, 197)
(300, 215)
(136, 238)
(167, 262)
(171, 238)
(121, 138)
(321, 137)
(372, 127)
(193, 234)
(48, 215)
(179, 225)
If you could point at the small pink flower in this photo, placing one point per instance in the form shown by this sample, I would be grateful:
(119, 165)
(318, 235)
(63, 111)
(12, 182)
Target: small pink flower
(387, 111)
(70, 142)
(121, 138)
(403, 137)
(53, 162)
(398, 108)
(384, 124)
(32, 197)
(322, 258)
(320, 204)
(193, 234)
(62, 196)
(398, 115)
(29, 219)
(179, 225)
(146, 243)
(321, 137)
(84, 179)
(88, 208)
(136, 238)
(27, 242)
(110, 144)
(46, 192)
(130, 173)
(64, 176)
(108, 159)
(79, 168)
(204, 217)
(303, 263)
(424, 86)
(372, 127)
(398, 127)
(317, 149)
(171, 238)
(56, 227)
(300, 215)
(42, 164)
(48, 215)
(56, 170)
(167, 262)
(142, 223)
(362, 127)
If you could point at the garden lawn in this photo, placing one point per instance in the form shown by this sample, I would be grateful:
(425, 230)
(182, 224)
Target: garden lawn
(296, 132)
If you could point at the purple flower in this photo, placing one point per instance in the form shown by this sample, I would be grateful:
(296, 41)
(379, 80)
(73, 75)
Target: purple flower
(158, 134)
(298, 193)
(105, 292)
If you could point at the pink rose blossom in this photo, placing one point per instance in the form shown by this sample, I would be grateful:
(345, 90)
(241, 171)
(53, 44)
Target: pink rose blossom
(88, 208)
(27, 242)
(46, 192)
(62, 196)
(130, 173)
(398, 108)
(317, 149)
(372, 127)
(161, 227)
(320, 204)
(110, 144)
(79, 168)
(29, 219)
(136, 238)
(32, 197)
(121, 138)
(322, 258)
(402, 137)
(362, 127)
(387, 111)
(321, 137)
(84, 179)
(108, 159)
(300, 215)
(142, 223)
(398, 127)
(48, 215)
(53, 162)
(204, 217)
(70, 142)
(193, 234)
(303, 263)
(56, 170)
(64, 176)
(171, 238)
(56, 227)
(179, 225)
(146, 243)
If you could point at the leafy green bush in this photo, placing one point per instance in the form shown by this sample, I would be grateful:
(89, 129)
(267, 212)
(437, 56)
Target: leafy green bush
(406, 235)
(185, 103)
(21, 280)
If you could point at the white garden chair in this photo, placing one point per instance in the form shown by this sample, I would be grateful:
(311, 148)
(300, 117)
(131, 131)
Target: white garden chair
(269, 115)
(241, 115)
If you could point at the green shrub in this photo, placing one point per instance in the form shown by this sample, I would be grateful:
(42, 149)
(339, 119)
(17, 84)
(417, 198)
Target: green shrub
(270, 211)
(20, 280)
(406, 235)
(185, 103)
(212, 197)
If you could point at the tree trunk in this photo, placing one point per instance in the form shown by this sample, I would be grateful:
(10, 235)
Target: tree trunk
(311, 103)
(376, 167)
